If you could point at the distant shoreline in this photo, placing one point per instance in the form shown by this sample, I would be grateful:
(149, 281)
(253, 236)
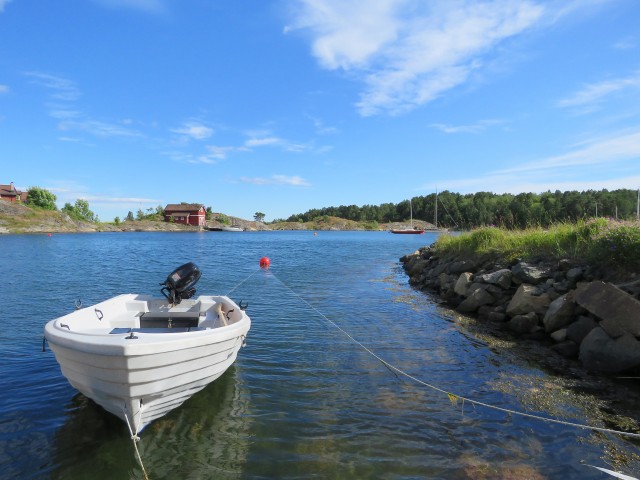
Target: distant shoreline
(17, 219)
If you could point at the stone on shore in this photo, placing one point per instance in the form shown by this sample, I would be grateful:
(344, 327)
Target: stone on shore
(528, 298)
(474, 301)
(598, 351)
(609, 303)
(559, 314)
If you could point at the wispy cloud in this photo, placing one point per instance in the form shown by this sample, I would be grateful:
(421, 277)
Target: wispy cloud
(518, 184)
(267, 140)
(627, 43)
(614, 159)
(3, 3)
(194, 130)
(69, 191)
(146, 6)
(104, 199)
(61, 105)
(478, 127)
(609, 151)
(277, 180)
(61, 89)
(4, 89)
(595, 93)
(98, 129)
(321, 128)
(407, 53)
(262, 142)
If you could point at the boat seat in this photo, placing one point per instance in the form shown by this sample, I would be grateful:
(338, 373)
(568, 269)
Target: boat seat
(124, 331)
(162, 319)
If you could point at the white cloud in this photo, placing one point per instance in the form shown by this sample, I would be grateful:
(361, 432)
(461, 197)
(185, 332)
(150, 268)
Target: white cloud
(277, 180)
(602, 163)
(321, 128)
(262, 142)
(409, 52)
(3, 3)
(194, 130)
(103, 199)
(478, 127)
(616, 149)
(62, 89)
(518, 184)
(147, 6)
(219, 153)
(627, 43)
(597, 92)
(98, 129)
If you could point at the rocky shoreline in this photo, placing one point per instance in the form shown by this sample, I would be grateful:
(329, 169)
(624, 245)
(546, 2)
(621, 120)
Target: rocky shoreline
(567, 306)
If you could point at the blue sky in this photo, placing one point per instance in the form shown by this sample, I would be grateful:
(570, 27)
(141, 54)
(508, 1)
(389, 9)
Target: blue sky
(283, 106)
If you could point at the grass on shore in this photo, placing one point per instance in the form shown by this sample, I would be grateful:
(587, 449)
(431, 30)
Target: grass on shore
(601, 242)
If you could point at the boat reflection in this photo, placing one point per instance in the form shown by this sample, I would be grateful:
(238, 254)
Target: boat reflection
(207, 437)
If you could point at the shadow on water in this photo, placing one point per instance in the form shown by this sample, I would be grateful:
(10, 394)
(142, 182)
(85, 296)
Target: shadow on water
(207, 437)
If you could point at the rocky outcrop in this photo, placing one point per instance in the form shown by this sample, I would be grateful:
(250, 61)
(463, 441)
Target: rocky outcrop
(579, 316)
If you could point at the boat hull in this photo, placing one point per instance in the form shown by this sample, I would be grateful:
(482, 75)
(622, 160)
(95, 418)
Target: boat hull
(140, 373)
(408, 232)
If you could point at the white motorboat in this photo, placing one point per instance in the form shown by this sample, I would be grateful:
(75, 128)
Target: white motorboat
(139, 356)
(226, 228)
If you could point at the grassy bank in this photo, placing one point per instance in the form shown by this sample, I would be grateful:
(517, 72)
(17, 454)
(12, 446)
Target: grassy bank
(603, 243)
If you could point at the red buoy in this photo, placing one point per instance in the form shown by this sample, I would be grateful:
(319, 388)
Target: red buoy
(265, 262)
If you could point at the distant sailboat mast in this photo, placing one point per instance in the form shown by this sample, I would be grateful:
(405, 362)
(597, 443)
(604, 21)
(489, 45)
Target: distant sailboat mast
(435, 220)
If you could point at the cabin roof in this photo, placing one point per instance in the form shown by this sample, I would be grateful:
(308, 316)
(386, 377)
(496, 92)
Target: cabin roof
(182, 207)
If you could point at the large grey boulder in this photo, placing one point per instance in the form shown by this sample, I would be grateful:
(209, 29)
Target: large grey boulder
(527, 273)
(463, 283)
(528, 298)
(559, 314)
(455, 268)
(523, 323)
(578, 330)
(598, 351)
(416, 266)
(574, 274)
(475, 300)
(501, 277)
(609, 303)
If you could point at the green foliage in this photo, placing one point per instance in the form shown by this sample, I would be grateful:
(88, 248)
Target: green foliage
(373, 225)
(80, 211)
(129, 217)
(618, 244)
(474, 210)
(151, 213)
(116, 221)
(603, 243)
(41, 198)
(259, 217)
(222, 218)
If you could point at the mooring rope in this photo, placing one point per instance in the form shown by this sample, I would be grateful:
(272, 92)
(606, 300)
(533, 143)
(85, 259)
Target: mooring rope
(453, 396)
(135, 438)
(243, 281)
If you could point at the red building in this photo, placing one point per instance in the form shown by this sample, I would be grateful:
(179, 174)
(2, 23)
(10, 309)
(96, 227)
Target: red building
(10, 194)
(186, 213)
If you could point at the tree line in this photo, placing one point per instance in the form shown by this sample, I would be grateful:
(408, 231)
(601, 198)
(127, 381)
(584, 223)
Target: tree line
(485, 208)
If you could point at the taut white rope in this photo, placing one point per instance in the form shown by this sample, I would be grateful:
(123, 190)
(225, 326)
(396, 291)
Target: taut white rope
(451, 395)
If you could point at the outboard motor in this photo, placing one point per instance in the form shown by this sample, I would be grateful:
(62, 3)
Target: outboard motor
(179, 285)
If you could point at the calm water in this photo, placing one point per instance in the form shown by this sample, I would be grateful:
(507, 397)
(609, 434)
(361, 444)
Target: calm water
(302, 401)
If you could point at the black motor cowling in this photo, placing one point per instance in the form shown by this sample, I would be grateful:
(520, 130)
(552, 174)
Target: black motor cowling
(179, 285)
